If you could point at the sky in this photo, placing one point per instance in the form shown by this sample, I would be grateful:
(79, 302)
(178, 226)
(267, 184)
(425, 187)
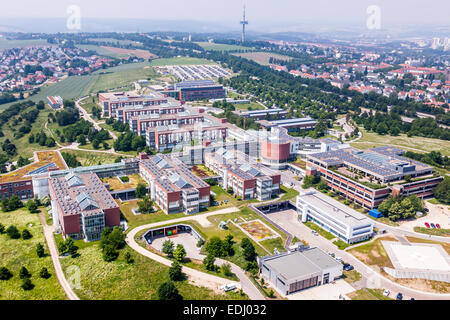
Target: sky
(260, 13)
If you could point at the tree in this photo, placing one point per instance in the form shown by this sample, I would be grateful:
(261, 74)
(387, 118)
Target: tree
(5, 274)
(175, 272)
(214, 247)
(395, 211)
(227, 245)
(27, 284)
(12, 232)
(2, 228)
(109, 253)
(40, 250)
(442, 191)
(141, 190)
(44, 273)
(226, 269)
(113, 237)
(209, 261)
(168, 291)
(128, 258)
(26, 234)
(145, 205)
(249, 250)
(24, 273)
(168, 248)
(179, 253)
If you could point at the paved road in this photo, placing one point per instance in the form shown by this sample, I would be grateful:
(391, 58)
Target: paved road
(373, 279)
(86, 116)
(246, 284)
(48, 232)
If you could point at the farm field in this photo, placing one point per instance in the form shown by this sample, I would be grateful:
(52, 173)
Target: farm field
(100, 50)
(262, 57)
(125, 53)
(416, 144)
(15, 253)
(9, 44)
(222, 47)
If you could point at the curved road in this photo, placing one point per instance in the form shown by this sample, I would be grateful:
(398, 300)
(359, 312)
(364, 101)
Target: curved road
(246, 284)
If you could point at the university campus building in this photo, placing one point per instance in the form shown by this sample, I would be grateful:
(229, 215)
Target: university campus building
(248, 180)
(368, 177)
(173, 187)
(197, 90)
(82, 206)
(110, 102)
(333, 216)
(298, 270)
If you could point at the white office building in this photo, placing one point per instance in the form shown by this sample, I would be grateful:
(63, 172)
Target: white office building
(333, 216)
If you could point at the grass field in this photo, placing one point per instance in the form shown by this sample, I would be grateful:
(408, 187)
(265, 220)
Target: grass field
(118, 280)
(92, 158)
(247, 106)
(101, 51)
(222, 47)
(416, 144)
(9, 44)
(373, 253)
(262, 57)
(368, 294)
(319, 230)
(179, 61)
(17, 253)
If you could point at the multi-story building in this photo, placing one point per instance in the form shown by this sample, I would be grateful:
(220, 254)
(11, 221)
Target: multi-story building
(297, 124)
(169, 137)
(173, 187)
(82, 206)
(140, 124)
(247, 180)
(20, 182)
(111, 101)
(333, 216)
(124, 114)
(266, 114)
(369, 176)
(197, 90)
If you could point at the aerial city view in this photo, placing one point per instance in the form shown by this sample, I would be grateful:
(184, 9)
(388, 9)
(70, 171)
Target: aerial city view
(197, 150)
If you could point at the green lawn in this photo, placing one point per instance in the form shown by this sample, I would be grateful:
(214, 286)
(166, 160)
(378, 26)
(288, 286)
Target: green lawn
(352, 276)
(92, 158)
(373, 253)
(248, 106)
(341, 244)
(118, 280)
(434, 232)
(17, 253)
(417, 144)
(319, 230)
(368, 294)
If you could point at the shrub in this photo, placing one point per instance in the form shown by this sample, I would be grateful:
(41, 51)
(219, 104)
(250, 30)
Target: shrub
(12, 232)
(168, 291)
(179, 253)
(226, 269)
(44, 273)
(128, 258)
(27, 284)
(24, 273)
(125, 179)
(40, 250)
(175, 272)
(5, 274)
(26, 234)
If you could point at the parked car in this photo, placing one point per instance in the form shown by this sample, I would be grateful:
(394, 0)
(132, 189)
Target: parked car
(331, 254)
(386, 292)
(338, 259)
(433, 226)
(426, 209)
(399, 296)
(315, 233)
(427, 224)
(228, 287)
(349, 268)
(438, 226)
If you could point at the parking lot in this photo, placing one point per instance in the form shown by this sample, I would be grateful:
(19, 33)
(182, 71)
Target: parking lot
(195, 72)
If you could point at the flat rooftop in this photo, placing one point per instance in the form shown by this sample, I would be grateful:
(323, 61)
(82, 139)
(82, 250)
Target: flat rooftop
(334, 208)
(300, 264)
(44, 160)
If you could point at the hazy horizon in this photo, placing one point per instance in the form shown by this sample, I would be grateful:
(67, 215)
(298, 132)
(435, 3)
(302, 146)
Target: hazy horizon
(263, 15)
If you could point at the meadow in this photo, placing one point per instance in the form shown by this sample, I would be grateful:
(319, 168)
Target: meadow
(15, 253)
(222, 47)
